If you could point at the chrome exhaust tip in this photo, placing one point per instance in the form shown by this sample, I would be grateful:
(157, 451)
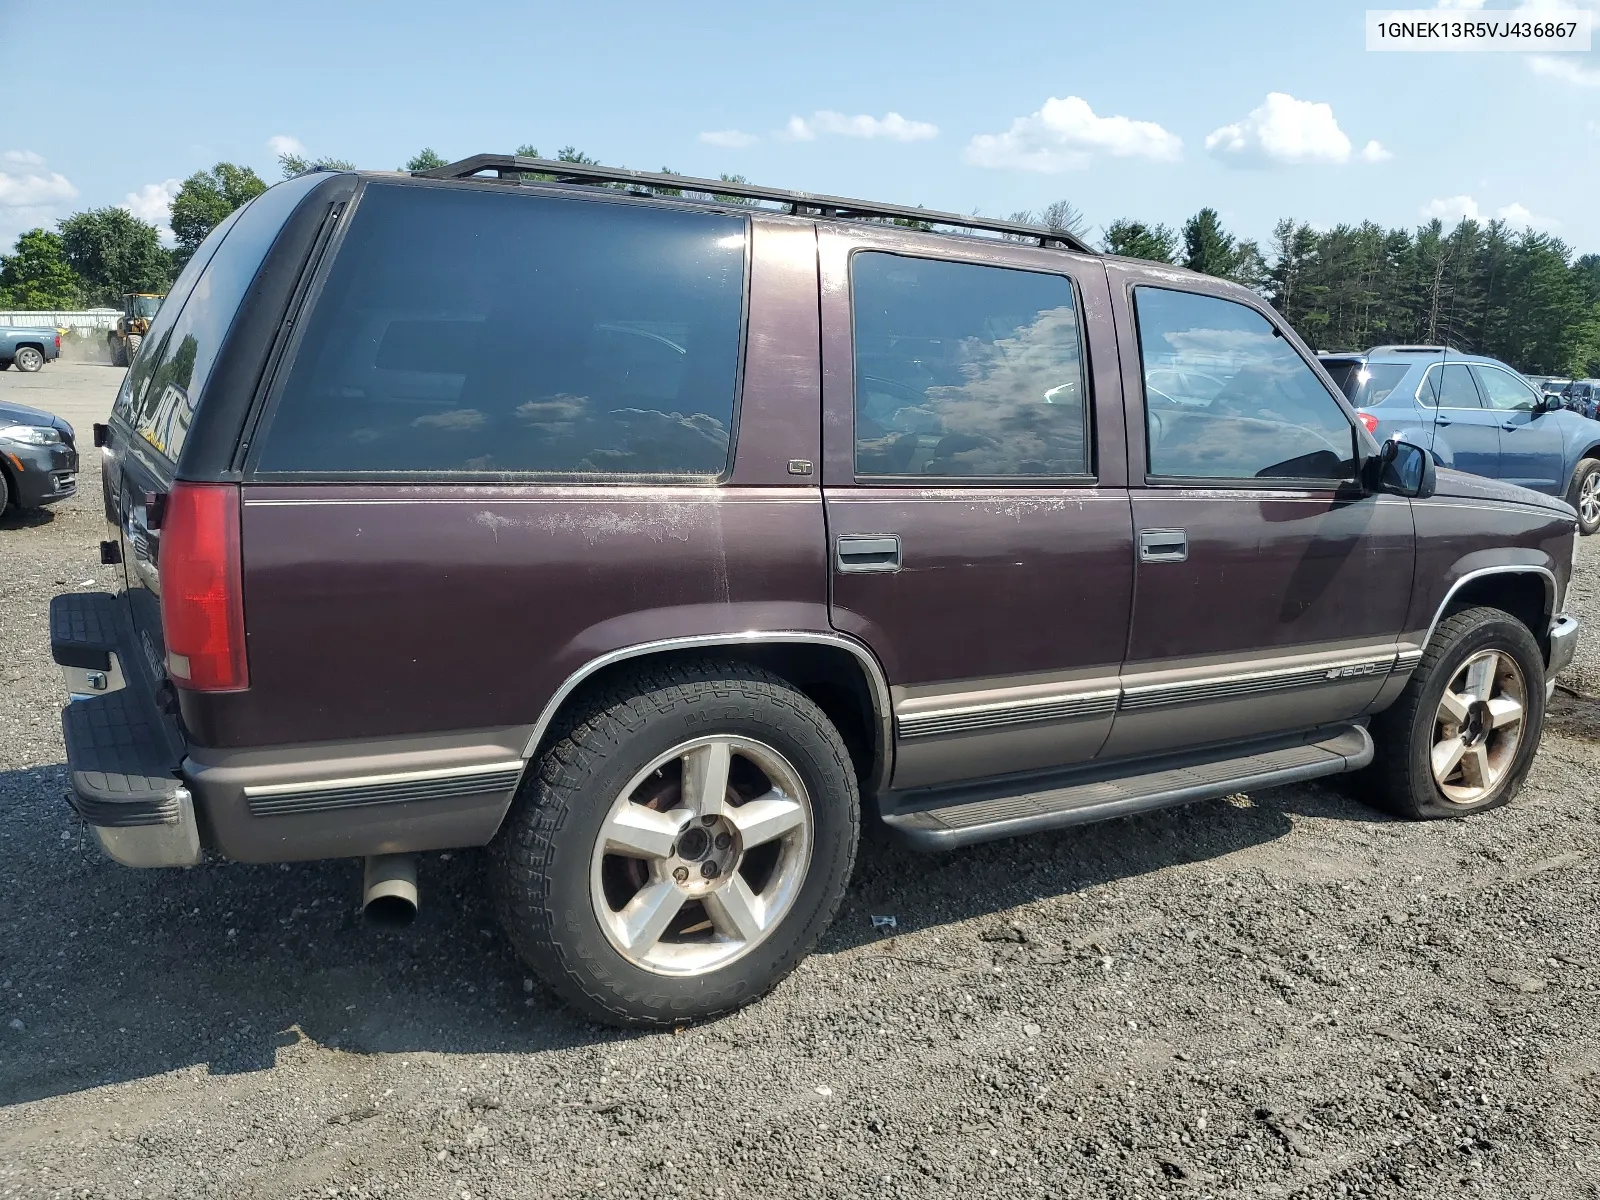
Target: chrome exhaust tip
(389, 890)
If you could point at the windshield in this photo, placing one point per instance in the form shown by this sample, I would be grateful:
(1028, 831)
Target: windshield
(1366, 384)
(145, 306)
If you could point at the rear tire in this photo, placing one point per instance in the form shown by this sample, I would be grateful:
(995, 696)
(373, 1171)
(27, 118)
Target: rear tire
(1584, 495)
(28, 359)
(1440, 755)
(617, 820)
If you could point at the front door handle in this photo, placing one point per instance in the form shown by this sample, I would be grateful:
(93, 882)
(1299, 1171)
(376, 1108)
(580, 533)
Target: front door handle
(1441, 420)
(868, 552)
(1163, 546)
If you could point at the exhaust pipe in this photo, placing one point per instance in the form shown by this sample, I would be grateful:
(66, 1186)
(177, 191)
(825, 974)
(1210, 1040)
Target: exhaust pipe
(389, 890)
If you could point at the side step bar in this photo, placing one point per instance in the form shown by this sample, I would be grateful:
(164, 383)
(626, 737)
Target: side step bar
(1096, 794)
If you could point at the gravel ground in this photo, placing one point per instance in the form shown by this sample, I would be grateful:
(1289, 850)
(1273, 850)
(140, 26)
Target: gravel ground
(1276, 995)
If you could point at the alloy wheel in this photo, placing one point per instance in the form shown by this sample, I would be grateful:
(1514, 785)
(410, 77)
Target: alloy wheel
(702, 855)
(1589, 498)
(1478, 726)
(29, 359)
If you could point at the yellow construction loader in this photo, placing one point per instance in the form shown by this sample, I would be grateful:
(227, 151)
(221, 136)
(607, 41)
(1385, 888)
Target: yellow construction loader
(138, 310)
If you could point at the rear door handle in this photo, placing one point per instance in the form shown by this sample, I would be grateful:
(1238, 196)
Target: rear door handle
(861, 553)
(1163, 546)
(1441, 420)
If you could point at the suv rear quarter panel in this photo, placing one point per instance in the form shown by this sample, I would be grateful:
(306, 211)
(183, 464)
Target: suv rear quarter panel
(385, 610)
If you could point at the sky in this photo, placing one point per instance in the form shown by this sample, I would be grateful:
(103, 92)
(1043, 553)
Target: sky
(1136, 109)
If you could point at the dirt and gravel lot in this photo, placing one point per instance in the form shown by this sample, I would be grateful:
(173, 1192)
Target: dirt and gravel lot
(1284, 994)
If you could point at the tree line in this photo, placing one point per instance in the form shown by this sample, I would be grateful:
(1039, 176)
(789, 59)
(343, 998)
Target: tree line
(1481, 287)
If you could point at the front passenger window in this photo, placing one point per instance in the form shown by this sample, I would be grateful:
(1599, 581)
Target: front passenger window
(1225, 397)
(1502, 390)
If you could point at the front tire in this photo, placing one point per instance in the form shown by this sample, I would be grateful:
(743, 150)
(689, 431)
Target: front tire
(131, 348)
(28, 359)
(1462, 736)
(1584, 495)
(681, 846)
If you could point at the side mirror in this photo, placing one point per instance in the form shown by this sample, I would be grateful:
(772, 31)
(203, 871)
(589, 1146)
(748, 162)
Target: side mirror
(1400, 469)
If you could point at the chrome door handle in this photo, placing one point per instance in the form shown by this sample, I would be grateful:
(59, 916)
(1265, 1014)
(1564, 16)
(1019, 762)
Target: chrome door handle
(1163, 546)
(861, 553)
(1441, 420)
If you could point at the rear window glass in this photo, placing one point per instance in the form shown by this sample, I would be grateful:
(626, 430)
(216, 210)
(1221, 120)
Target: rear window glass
(1366, 384)
(166, 386)
(492, 333)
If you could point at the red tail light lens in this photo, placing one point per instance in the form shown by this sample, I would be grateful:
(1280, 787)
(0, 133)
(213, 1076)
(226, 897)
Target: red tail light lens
(58, 343)
(202, 588)
(1370, 421)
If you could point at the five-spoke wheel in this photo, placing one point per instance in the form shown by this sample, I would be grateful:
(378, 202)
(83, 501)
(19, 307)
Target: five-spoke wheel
(680, 847)
(1479, 726)
(1461, 736)
(701, 855)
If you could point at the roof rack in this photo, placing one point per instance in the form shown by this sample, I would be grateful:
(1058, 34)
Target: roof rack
(801, 204)
(1415, 349)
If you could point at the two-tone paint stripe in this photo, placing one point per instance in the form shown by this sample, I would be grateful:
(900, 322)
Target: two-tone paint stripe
(972, 718)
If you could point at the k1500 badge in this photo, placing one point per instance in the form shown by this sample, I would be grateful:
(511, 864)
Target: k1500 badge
(1371, 668)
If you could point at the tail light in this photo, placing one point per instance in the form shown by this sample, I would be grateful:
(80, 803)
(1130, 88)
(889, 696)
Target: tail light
(202, 588)
(1370, 421)
(58, 343)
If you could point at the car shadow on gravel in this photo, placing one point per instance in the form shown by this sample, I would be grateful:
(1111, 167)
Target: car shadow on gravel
(119, 974)
(25, 518)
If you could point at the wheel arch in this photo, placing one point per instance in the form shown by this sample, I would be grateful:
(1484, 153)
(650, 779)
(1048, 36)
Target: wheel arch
(838, 673)
(1525, 590)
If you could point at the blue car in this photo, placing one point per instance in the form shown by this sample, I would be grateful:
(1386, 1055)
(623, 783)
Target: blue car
(1476, 414)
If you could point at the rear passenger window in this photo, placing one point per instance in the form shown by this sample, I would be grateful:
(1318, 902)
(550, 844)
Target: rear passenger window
(1227, 398)
(966, 370)
(1449, 386)
(464, 330)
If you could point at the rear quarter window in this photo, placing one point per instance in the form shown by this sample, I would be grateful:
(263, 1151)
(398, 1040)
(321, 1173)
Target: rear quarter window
(465, 331)
(165, 388)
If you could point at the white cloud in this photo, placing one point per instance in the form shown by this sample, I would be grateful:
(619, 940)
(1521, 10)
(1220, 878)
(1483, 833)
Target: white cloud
(1285, 130)
(29, 197)
(282, 143)
(825, 122)
(34, 190)
(1565, 69)
(732, 139)
(153, 203)
(1064, 135)
(1451, 209)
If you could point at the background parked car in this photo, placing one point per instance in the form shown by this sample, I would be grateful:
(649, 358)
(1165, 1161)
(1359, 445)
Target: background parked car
(1476, 414)
(38, 458)
(1583, 397)
(28, 349)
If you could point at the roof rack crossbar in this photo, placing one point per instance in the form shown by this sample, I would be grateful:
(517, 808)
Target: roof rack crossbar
(804, 204)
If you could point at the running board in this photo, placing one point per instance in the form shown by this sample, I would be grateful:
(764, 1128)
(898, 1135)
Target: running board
(1097, 795)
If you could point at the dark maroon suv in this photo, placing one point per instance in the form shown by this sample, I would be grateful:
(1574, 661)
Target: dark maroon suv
(649, 538)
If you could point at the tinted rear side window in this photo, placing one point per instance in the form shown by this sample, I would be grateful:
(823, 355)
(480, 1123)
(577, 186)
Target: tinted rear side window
(166, 386)
(493, 333)
(966, 370)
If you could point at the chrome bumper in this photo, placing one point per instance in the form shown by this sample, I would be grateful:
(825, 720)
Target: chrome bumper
(1563, 638)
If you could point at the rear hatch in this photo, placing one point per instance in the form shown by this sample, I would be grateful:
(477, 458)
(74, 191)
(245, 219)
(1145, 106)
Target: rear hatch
(156, 416)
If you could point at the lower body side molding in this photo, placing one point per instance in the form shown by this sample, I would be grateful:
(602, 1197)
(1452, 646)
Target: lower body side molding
(960, 817)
